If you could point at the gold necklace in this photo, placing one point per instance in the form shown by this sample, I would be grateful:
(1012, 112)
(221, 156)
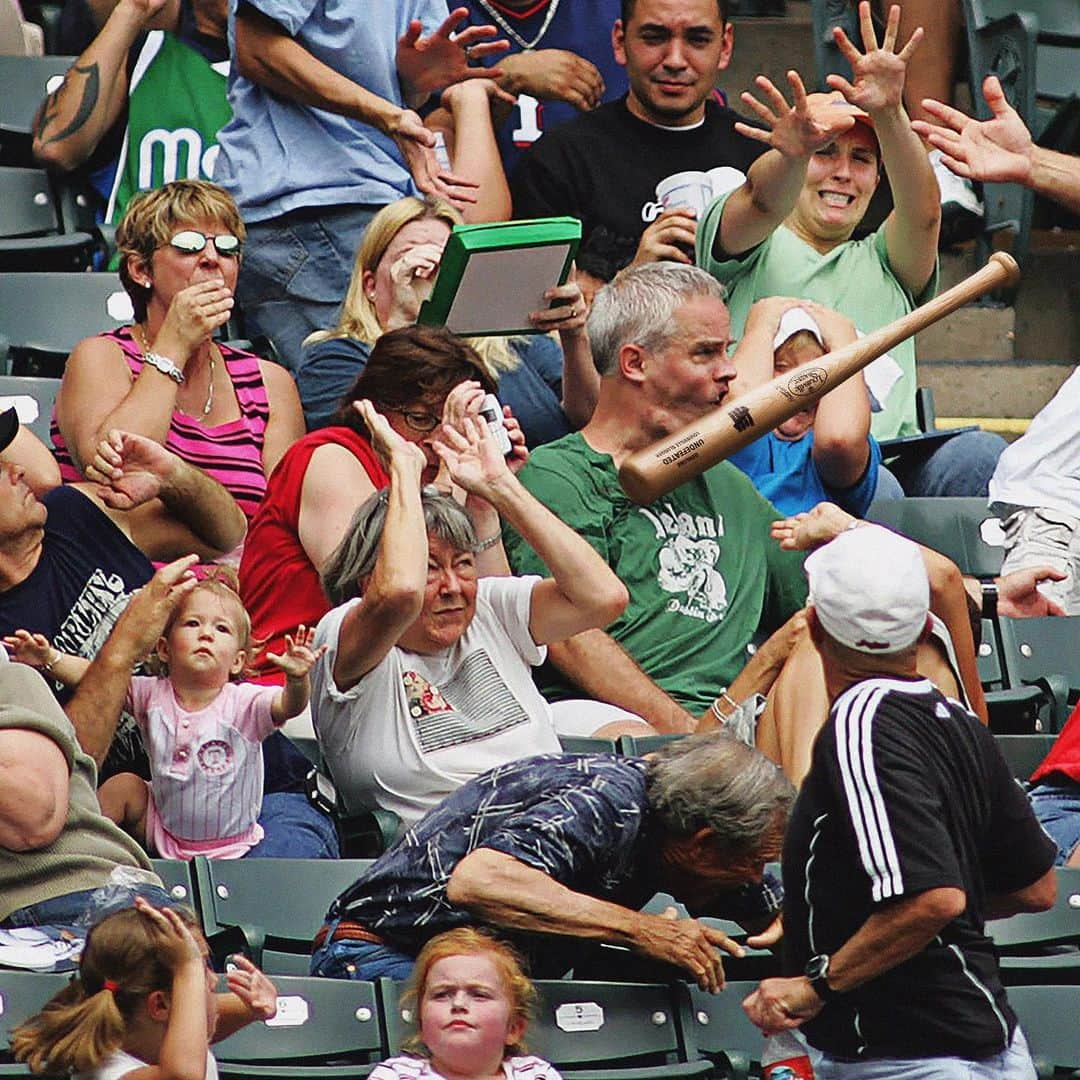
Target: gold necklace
(145, 346)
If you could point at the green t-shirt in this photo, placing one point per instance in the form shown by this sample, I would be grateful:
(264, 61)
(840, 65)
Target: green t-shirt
(702, 571)
(854, 278)
(176, 105)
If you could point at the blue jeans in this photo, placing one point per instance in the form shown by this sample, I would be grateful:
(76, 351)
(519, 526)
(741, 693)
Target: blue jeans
(1057, 806)
(888, 487)
(361, 961)
(294, 829)
(295, 272)
(961, 465)
(1013, 1063)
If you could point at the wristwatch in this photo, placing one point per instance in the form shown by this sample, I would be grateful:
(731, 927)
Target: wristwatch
(989, 599)
(165, 366)
(817, 971)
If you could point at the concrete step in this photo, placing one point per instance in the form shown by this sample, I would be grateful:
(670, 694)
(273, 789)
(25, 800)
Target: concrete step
(770, 46)
(1008, 388)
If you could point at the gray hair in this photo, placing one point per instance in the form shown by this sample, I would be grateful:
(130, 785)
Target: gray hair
(714, 781)
(638, 307)
(356, 555)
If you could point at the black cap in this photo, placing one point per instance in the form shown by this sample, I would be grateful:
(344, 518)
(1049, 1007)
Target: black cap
(9, 427)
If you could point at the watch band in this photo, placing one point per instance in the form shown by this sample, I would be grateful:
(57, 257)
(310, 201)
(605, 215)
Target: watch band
(817, 971)
(989, 599)
(165, 366)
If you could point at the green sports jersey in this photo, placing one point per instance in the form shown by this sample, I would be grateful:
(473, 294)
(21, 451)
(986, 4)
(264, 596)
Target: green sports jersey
(176, 105)
(855, 278)
(702, 571)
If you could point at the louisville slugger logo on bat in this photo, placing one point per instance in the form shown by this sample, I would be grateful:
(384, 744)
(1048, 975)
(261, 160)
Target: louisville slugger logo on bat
(654, 471)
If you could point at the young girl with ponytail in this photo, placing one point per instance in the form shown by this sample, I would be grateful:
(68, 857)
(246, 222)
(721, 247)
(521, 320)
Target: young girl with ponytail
(143, 1006)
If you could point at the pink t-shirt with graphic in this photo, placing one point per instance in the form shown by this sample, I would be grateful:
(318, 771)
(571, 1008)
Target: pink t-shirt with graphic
(206, 767)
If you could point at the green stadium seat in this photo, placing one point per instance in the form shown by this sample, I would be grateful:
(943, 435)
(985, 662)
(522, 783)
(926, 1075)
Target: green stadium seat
(22, 994)
(1048, 1017)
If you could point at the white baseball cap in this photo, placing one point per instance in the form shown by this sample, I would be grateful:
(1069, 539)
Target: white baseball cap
(794, 321)
(870, 590)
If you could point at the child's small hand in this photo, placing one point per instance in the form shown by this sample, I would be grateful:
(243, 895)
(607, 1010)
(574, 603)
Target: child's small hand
(27, 648)
(299, 657)
(175, 943)
(252, 987)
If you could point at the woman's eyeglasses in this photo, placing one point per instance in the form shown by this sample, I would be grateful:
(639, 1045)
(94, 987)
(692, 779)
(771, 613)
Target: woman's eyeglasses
(418, 421)
(192, 242)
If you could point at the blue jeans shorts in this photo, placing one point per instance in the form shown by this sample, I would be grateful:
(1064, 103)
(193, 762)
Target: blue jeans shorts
(1057, 806)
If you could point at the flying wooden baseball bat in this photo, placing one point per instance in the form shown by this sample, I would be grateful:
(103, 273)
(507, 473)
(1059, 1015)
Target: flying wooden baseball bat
(658, 469)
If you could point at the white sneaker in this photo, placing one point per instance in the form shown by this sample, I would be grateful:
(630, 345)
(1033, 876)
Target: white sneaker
(961, 208)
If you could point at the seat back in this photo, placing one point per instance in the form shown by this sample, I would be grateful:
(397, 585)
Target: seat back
(1047, 1015)
(586, 744)
(33, 399)
(1024, 753)
(593, 1028)
(22, 994)
(951, 526)
(43, 316)
(178, 877)
(1044, 651)
(1031, 933)
(27, 206)
(640, 745)
(284, 899)
(26, 80)
(716, 1025)
(323, 1027)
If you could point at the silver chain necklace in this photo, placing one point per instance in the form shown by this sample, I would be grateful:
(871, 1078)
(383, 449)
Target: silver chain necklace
(510, 32)
(210, 390)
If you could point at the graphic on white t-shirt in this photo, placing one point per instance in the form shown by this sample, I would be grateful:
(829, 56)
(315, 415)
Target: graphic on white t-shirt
(437, 712)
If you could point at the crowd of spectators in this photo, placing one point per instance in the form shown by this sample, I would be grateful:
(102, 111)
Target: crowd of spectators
(328, 541)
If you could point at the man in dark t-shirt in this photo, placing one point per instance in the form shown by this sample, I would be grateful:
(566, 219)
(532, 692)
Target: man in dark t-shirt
(908, 833)
(668, 143)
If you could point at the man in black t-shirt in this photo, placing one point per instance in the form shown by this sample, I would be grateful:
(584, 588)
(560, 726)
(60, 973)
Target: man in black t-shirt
(668, 142)
(908, 833)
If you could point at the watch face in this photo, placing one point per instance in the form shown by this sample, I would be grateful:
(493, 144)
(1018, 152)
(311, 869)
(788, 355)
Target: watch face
(817, 966)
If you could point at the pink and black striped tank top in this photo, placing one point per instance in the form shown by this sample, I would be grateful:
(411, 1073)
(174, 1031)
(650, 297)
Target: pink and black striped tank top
(231, 453)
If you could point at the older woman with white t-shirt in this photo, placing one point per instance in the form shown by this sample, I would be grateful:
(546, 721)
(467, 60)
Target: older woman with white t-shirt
(426, 682)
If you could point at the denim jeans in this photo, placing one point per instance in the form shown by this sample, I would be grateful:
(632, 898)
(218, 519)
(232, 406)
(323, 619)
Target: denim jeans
(361, 961)
(961, 465)
(295, 272)
(1014, 1063)
(1057, 806)
(294, 829)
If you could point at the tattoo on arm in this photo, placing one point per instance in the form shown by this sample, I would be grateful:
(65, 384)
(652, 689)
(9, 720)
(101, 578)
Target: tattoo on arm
(91, 91)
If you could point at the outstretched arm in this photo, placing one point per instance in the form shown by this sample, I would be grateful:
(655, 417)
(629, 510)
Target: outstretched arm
(774, 181)
(911, 231)
(94, 708)
(1000, 150)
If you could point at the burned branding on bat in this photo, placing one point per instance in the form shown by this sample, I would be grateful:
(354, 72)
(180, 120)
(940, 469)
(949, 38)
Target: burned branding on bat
(803, 382)
(683, 450)
(741, 418)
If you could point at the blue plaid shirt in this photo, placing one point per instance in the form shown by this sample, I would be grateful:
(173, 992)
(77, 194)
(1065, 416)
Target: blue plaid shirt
(581, 819)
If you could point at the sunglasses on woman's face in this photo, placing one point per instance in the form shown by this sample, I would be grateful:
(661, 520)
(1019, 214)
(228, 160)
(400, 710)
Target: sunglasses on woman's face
(191, 242)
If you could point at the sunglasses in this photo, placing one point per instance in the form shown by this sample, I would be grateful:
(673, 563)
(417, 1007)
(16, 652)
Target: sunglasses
(191, 242)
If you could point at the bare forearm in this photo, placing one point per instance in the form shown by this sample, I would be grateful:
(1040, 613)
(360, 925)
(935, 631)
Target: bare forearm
(267, 56)
(1057, 176)
(204, 506)
(146, 409)
(915, 191)
(73, 119)
(476, 154)
(605, 671)
(753, 211)
(94, 709)
(893, 935)
(948, 600)
(507, 893)
(294, 698)
(578, 570)
(581, 380)
(232, 1015)
(183, 1049)
(841, 431)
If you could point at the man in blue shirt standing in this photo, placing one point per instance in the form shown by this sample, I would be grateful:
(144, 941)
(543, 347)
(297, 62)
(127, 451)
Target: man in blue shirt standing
(323, 134)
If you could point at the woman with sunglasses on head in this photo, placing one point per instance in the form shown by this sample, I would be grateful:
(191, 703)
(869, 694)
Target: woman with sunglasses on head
(416, 378)
(165, 377)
